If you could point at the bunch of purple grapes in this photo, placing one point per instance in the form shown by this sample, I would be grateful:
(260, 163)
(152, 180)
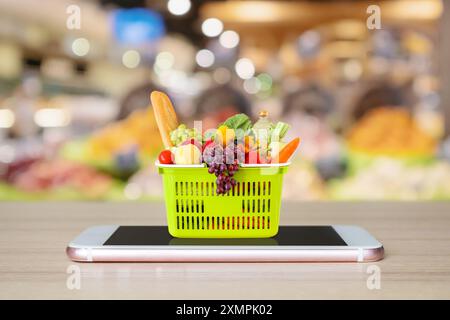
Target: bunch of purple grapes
(224, 173)
(224, 165)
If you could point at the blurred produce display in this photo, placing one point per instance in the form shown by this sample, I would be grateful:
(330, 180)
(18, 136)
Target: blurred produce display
(369, 104)
(390, 157)
(121, 147)
(389, 179)
(139, 129)
(303, 181)
(38, 178)
(388, 132)
(391, 132)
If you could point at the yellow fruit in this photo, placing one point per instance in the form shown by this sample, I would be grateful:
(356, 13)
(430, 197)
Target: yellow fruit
(225, 135)
(187, 154)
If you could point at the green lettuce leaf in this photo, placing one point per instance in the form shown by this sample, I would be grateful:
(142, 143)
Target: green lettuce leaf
(238, 121)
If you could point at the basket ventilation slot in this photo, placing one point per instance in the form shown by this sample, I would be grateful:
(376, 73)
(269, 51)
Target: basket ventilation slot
(183, 188)
(189, 206)
(222, 223)
(191, 214)
(260, 188)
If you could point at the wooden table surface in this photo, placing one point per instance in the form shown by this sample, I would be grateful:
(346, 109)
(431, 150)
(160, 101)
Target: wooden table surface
(33, 263)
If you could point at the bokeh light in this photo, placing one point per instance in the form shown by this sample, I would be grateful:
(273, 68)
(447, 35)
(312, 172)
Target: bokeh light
(164, 60)
(252, 85)
(6, 118)
(49, 118)
(81, 47)
(212, 27)
(131, 59)
(265, 81)
(229, 39)
(205, 58)
(178, 7)
(245, 68)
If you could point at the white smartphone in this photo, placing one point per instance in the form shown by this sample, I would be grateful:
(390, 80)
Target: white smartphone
(337, 243)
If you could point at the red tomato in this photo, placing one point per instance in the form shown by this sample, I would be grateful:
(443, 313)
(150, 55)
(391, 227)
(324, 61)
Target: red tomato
(165, 157)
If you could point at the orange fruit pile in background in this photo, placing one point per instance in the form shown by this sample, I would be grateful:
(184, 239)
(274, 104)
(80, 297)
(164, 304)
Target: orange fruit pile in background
(390, 131)
(139, 129)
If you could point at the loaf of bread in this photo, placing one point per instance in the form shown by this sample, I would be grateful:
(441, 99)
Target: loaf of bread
(165, 116)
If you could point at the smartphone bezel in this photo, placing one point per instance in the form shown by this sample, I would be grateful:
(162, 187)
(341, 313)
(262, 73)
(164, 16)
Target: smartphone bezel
(88, 247)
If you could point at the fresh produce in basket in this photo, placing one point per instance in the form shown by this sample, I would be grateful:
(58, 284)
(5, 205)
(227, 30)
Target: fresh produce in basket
(287, 151)
(234, 142)
(187, 154)
(224, 182)
(165, 157)
(183, 133)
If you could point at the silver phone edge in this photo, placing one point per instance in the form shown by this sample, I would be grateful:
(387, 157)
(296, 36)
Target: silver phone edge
(224, 255)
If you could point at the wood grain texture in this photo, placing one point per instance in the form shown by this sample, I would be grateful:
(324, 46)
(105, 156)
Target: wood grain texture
(33, 264)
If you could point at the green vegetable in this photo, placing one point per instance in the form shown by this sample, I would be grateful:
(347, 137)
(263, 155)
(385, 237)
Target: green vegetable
(279, 131)
(243, 122)
(238, 121)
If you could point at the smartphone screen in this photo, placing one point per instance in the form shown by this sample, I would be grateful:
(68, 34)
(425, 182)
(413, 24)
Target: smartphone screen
(287, 236)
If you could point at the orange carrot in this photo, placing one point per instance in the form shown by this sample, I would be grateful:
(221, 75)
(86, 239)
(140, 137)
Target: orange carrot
(288, 150)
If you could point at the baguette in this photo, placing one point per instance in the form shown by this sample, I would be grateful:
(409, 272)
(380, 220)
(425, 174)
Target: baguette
(165, 116)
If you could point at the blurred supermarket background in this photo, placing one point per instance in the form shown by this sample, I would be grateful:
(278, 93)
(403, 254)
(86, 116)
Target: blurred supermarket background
(372, 106)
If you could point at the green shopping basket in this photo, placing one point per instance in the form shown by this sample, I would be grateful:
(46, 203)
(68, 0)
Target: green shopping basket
(251, 209)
